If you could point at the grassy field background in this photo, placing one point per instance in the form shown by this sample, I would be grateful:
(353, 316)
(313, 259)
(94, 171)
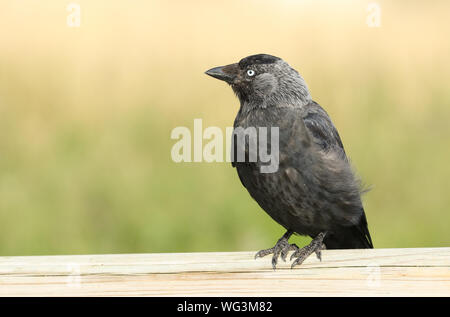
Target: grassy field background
(86, 115)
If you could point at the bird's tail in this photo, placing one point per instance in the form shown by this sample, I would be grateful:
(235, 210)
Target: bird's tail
(352, 237)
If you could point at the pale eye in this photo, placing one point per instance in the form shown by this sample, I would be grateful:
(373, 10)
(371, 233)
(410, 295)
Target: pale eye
(250, 73)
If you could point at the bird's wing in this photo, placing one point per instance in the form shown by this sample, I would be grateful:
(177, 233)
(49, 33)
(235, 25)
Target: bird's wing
(325, 135)
(321, 128)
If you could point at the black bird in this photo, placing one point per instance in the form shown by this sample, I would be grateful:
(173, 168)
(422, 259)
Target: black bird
(314, 191)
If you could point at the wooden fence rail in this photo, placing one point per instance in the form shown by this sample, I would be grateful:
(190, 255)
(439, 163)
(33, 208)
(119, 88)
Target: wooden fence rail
(377, 272)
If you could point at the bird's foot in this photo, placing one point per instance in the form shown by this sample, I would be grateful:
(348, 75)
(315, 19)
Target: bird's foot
(315, 246)
(282, 247)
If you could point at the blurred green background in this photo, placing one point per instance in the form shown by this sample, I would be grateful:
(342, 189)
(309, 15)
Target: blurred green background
(86, 115)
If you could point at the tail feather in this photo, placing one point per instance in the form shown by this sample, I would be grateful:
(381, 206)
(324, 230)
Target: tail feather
(353, 237)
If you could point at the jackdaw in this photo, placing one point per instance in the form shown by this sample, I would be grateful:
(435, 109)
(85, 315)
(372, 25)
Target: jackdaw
(314, 191)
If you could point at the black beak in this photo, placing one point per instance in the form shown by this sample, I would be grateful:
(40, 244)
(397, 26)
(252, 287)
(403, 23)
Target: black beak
(225, 73)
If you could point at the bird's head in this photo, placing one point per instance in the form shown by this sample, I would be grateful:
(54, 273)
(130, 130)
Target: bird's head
(263, 79)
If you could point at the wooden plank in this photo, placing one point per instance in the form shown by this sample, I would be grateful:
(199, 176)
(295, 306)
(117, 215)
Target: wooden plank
(376, 272)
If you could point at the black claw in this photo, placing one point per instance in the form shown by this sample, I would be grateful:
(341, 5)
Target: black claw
(283, 255)
(263, 253)
(281, 248)
(302, 254)
(319, 255)
(274, 263)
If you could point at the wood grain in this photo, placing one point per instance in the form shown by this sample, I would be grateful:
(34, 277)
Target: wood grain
(375, 272)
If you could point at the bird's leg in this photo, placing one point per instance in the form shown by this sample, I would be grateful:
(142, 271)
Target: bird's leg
(316, 246)
(281, 247)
